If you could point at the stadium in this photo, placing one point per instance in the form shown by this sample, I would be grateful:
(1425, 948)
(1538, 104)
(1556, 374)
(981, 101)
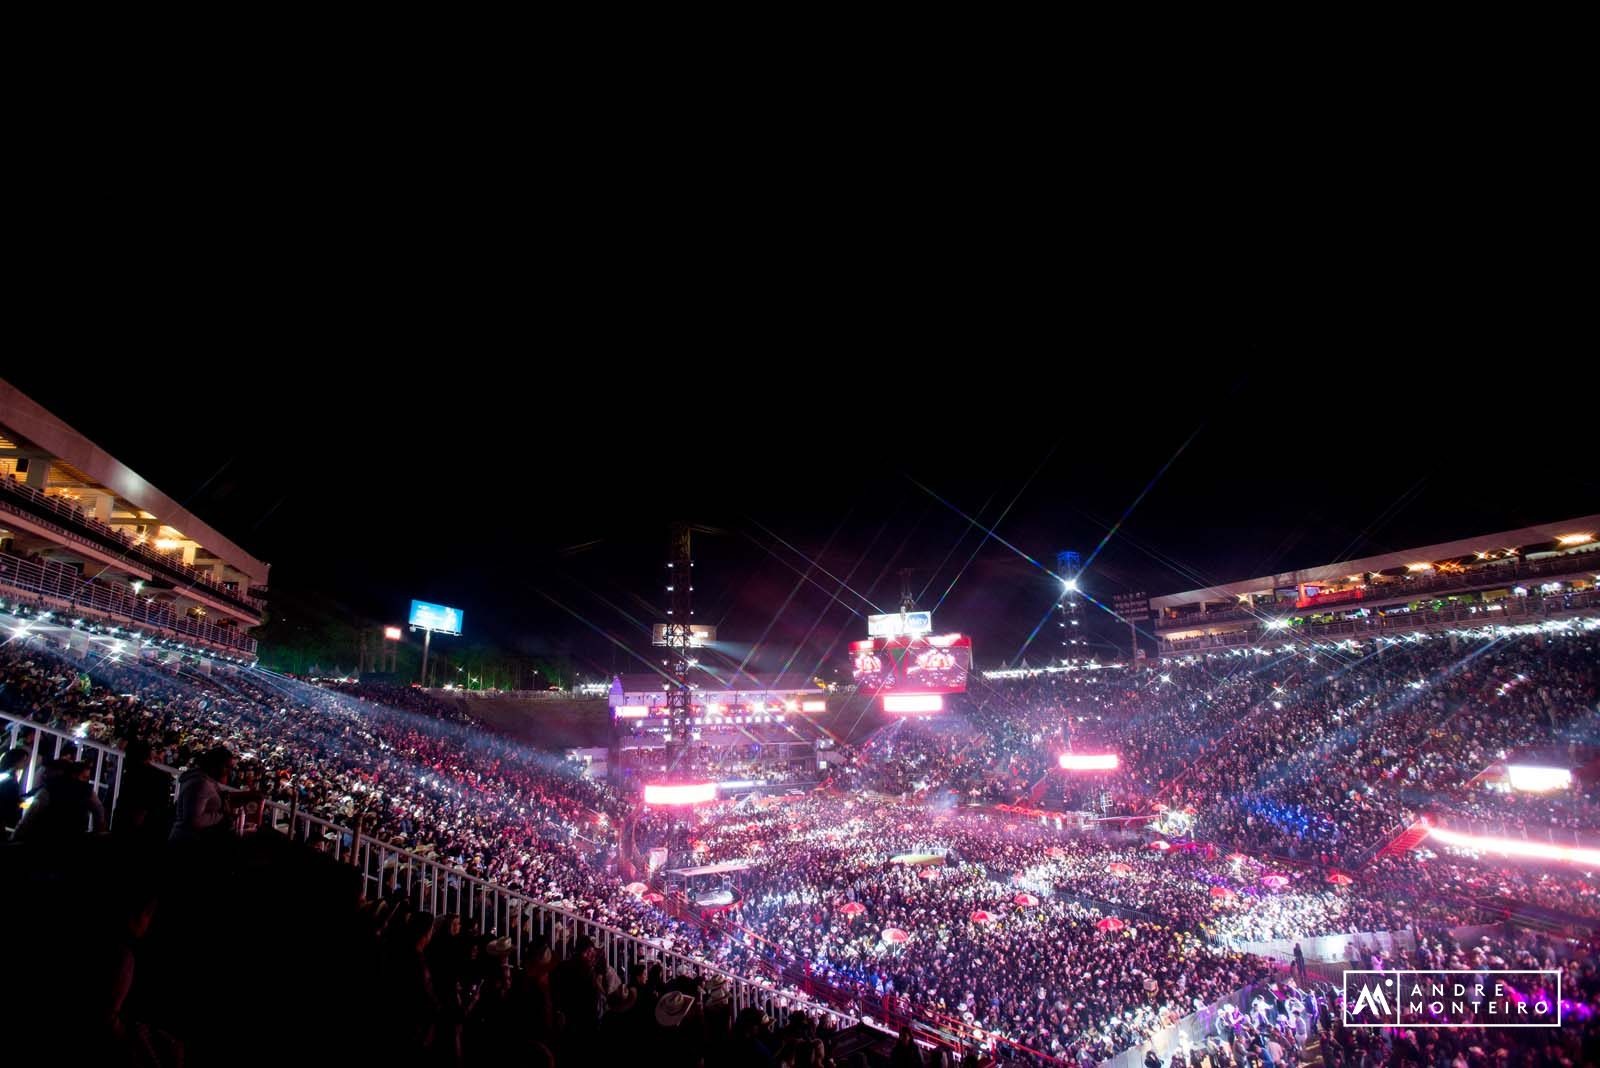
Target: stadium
(1167, 828)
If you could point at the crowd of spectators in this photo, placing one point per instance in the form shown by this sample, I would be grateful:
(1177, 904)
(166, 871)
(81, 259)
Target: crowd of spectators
(1002, 927)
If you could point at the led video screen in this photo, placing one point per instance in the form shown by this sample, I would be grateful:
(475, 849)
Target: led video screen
(912, 664)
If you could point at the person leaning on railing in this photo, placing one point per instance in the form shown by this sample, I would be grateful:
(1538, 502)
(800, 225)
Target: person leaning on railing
(64, 807)
(204, 808)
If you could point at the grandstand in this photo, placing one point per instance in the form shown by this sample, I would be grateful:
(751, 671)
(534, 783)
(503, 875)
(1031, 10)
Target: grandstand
(1174, 859)
(96, 554)
(1515, 576)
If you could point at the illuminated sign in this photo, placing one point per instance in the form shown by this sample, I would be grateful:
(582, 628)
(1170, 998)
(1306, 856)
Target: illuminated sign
(391, 633)
(685, 794)
(1087, 761)
(1537, 780)
(913, 702)
(923, 663)
(699, 635)
(436, 617)
(894, 624)
(632, 711)
(1516, 847)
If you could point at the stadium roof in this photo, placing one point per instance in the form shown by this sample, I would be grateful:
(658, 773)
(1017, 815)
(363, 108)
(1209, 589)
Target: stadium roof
(1341, 571)
(78, 456)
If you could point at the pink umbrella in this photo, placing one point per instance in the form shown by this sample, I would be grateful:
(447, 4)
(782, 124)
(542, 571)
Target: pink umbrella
(928, 873)
(1120, 868)
(1339, 878)
(1055, 851)
(1111, 923)
(895, 935)
(654, 898)
(636, 888)
(1027, 901)
(981, 916)
(1277, 882)
(1223, 892)
(852, 908)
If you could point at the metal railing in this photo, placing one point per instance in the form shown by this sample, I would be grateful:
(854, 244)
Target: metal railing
(427, 882)
(29, 576)
(99, 535)
(52, 742)
(441, 888)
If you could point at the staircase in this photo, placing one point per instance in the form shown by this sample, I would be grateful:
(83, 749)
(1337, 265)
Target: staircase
(1406, 840)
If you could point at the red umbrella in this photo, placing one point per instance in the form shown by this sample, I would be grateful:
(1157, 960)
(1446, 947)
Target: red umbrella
(852, 908)
(1055, 851)
(636, 888)
(654, 898)
(1223, 892)
(1111, 923)
(1277, 882)
(1339, 878)
(928, 873)
(1027, 901)
(1163, 846)
(981, 916)
(895, 935)
(1120, 868)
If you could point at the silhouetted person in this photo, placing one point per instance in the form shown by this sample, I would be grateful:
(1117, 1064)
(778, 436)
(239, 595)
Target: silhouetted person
(144, 801)
(64, 808)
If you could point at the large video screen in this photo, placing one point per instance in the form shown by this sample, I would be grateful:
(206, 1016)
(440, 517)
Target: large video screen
(912, 663)
(436, 617)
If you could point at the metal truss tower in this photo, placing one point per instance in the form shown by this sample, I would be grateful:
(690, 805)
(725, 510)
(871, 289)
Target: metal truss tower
(1069, 606)
(680, 615)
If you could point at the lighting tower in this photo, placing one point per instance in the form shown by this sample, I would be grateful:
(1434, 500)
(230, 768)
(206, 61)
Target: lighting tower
(680, 584)
(1069, 604)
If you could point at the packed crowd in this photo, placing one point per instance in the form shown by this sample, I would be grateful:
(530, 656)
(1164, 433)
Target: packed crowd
(1312, 754)
(1002, 927)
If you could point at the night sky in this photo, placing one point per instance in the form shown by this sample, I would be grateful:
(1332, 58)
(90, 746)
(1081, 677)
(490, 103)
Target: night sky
(538, 500)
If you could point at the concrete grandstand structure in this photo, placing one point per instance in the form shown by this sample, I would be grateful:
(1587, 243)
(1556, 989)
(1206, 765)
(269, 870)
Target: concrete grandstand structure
(1510, 577)
(89, 547)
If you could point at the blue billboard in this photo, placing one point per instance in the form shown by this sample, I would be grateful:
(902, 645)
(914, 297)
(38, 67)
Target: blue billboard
(436, 617)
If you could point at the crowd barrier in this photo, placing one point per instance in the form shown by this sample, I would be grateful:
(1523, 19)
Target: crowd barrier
(1334, 947)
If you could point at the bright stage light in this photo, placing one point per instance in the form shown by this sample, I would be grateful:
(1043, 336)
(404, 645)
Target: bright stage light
(1537, 780)
(813, 706)
(1069, 585)
(913, 702)
(686, 794)
(1515, 847)
(1087, 761)
(391, 634)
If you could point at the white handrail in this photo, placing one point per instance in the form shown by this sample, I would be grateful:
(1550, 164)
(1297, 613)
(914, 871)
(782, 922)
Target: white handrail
(441, 888)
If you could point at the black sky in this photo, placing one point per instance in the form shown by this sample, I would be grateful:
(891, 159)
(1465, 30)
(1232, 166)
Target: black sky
(536, 495)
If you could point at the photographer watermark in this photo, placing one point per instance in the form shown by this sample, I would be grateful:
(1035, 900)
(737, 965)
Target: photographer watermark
(1452, 999)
